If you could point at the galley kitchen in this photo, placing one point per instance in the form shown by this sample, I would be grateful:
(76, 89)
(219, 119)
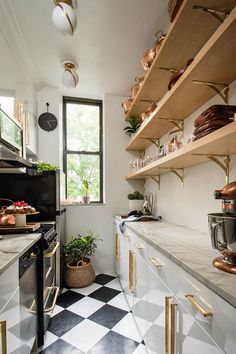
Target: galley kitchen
(117, 176)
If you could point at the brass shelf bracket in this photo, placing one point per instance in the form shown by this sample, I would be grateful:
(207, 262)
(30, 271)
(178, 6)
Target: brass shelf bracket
(221, 88)
(149, 101)
(223, 165)
(179, 123)
(220, 15)
(171, 70)
(179, 172)
(157, 179)
(154, 141)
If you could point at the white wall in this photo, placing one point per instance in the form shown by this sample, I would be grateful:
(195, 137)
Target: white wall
(190, 205)
(99, 218)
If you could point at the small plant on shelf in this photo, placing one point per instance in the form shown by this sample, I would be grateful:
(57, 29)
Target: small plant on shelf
(135, 201)
(134, 125)
(45, 167)
(86, 188)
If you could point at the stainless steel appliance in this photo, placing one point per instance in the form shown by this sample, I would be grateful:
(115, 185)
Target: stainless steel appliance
(28, 299)
(222, 228)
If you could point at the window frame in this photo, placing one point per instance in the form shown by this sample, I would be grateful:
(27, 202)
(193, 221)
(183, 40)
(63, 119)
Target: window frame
(89, 102)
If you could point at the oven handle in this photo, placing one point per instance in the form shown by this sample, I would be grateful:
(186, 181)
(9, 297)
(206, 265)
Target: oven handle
(54, 300)
(51, 254)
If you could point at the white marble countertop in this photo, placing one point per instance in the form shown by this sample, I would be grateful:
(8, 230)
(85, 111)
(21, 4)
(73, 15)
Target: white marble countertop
(14, 246)
(191, 250)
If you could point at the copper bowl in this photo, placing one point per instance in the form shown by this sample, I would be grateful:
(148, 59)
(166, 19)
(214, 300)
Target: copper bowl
(149, 111)
(127, 104)
(136, 87)
(148, 57)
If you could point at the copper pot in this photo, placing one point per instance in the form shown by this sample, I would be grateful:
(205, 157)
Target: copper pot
(6, 219)
(175, 76)
(127, 104)
(136, 87)
(148, 57)
(160, 37)
(149, 111)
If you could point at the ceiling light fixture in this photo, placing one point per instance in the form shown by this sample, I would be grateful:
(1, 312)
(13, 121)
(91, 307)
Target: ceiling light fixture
(70, 77)
(64, 17)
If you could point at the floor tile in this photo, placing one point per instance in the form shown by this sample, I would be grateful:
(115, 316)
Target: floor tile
(57, 309)
(108, 316)
(104, 294)
(49, 339)
(114, 343)
(61, 347)
(114, 284)
(103, 279)
(86, 306)
(88, 289)
(128, 328)
(120, 302)
(63, 322)
(141, 349)
(85, 335)
(68, 298)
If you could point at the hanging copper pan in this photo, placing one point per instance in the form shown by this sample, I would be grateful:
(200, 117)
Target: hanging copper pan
(136, 87)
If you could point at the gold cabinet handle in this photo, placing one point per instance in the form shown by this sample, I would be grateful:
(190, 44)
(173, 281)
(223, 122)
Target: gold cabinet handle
(139, 246)
(155, 262)
(57, 289)
(172, 328)
(167, 322)
(117, 247)
(51, 254)
(131, 271)
(126, 235)
(199, 307)
(4, 336)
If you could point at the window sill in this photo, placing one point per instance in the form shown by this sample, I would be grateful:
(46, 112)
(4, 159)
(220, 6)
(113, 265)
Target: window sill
(82, 205)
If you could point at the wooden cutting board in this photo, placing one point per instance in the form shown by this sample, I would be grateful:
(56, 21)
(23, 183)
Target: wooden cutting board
(9, 229)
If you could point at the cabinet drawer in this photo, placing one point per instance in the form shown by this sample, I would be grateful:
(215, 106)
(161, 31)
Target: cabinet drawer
(9, 283)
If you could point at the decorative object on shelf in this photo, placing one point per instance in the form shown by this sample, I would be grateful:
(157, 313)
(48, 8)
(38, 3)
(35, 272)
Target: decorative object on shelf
(127, 105)
(136, 87)
(19, 210)
(42, 166)
(173, 8)
(79, 271)
(47, 121)
(64, 16)
(86, 199)
(151, 108)
(135, 201)
(134, 125)
(149, 54)
(176, 75)
(173, 145)
(70, 77)
(148, 204)
(213, 118)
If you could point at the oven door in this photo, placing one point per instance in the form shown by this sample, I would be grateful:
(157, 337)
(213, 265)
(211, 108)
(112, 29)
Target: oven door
(50, 290)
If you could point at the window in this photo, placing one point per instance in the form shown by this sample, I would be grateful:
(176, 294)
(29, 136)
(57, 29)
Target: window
(83, 155)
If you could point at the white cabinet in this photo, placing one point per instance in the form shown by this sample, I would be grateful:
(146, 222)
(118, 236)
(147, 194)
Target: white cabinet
(31, 135)
(168, 321)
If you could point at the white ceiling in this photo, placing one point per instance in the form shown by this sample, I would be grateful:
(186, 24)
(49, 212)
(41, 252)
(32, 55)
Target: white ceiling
(108, 43)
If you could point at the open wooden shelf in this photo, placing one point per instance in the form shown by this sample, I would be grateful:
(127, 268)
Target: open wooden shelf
(186, 36)
(220, 142)
(215, 62)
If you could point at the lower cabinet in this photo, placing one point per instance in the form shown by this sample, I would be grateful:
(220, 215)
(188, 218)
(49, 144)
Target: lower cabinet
(163, 320)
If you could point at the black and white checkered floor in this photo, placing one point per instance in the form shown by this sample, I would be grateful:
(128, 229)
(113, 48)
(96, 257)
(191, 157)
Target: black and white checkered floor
(94, 320)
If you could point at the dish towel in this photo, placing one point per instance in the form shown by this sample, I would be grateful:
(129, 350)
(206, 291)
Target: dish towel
(133, 218)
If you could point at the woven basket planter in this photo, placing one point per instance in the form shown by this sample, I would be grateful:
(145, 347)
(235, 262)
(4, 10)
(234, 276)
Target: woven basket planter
(79, 275)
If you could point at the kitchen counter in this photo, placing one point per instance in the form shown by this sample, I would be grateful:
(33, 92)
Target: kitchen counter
(14, 246)
(191, 250)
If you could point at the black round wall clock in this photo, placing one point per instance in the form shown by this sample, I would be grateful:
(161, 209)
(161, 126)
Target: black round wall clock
(47, 121)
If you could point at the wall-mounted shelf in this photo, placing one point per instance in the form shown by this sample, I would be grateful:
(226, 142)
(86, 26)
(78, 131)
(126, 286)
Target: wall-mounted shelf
(186, 36)
(215, 62)
(222, 142)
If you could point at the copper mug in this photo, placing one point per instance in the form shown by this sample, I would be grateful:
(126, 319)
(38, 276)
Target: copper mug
(136, 87)
(149, 111)
(127, 105)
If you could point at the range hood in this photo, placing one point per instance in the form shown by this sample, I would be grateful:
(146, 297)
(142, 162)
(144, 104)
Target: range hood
(9, 159)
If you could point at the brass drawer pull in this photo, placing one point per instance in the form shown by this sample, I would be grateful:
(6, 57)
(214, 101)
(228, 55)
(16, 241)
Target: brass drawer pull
(167, 322)
(131, 271)
(4, 336)
(155, 262)
(56, 288)
(126, 235)
(117, 247)
(51, 254)
(139, 246)
(172, 328)
(199, 307)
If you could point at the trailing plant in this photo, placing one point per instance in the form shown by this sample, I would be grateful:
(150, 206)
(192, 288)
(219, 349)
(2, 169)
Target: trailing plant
(134, 124)
(82, 247)
(45, 167)
(135, 196)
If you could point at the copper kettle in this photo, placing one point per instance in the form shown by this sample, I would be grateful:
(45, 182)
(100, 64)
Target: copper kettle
(136, 87)
(228, 196)
(149, 54)
(6, 219)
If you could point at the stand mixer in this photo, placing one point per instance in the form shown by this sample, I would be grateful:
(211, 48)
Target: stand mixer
(222, 228)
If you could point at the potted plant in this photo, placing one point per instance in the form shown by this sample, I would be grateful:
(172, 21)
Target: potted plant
(86, 198)
(79, 271)
(134, 125)
(135, 201)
